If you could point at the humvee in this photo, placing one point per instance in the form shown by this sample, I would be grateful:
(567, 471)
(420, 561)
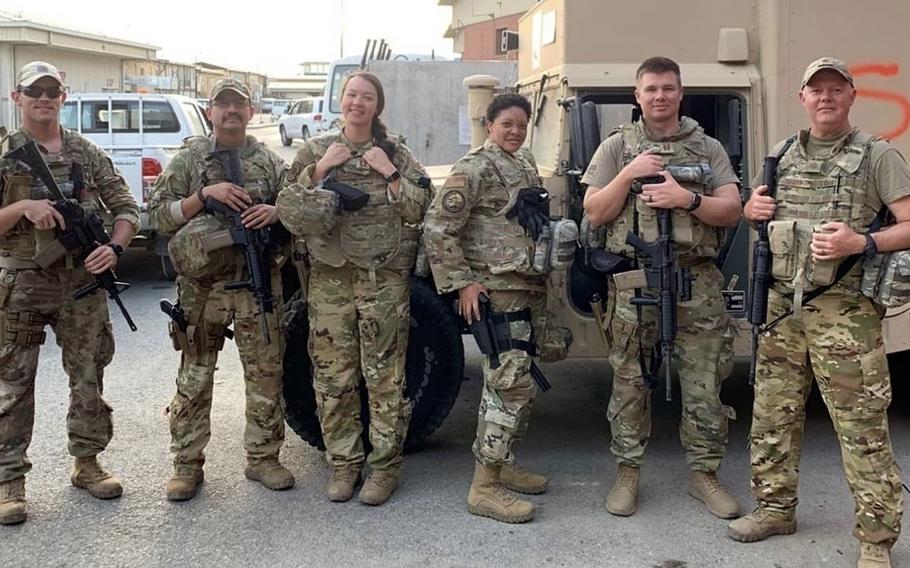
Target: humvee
(742, 63)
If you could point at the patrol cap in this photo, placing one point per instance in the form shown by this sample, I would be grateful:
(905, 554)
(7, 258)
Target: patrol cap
(230, 84)
(31, 72)
(827, 63)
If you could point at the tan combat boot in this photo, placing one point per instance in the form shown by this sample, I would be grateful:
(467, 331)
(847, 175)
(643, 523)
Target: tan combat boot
(379, 486)
(12, 501)
(488, 498)
(89, 475)
(874, 556)
(760, 524)
(185, 481)
(622, 500)
(342, 483)
(518, 479)
(270, 473)
(704, 486)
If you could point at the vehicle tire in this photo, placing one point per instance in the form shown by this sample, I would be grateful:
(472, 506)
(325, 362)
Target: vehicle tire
(285, 141)
(167, 268)
(434, 369)
(305, 133)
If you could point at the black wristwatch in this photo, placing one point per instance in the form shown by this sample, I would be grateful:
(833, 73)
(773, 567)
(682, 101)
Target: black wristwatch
(871, 248)
(393, 176)
(696, 202)
(118, 250)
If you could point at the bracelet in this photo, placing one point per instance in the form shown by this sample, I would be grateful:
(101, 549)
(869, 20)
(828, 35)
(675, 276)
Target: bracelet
(200, 196)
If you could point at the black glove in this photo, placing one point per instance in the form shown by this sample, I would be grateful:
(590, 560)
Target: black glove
(532, 208)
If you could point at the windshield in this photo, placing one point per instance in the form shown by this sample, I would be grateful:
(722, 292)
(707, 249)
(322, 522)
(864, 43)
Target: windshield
(337, 79)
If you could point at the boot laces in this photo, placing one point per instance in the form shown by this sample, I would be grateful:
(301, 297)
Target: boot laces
(874, 551)
(712, 482)
(14, 489)
(347, 475)
(627, 477)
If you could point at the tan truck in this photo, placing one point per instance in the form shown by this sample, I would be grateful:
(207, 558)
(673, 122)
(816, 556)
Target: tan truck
(742, 62)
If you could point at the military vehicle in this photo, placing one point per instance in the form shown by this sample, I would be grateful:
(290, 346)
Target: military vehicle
(742, 63)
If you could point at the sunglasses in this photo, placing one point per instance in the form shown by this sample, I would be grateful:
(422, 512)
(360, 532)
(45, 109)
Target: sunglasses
(36, 92)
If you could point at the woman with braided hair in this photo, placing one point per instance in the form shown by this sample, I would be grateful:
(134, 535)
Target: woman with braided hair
(361, 256)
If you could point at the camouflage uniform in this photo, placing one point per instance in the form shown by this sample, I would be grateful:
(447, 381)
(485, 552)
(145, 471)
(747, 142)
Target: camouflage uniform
(210, 309)
(470, 240)
(359, 300)
(704, 344)
(32, 297)
(837, 338)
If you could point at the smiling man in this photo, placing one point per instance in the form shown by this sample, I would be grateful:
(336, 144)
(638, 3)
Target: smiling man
(33, 295)
(832, 181)
(206, 262)
(703, 347)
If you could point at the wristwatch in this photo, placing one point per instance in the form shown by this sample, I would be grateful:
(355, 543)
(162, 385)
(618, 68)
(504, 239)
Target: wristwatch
(393, 176)
(871, 248)
(118, 250)
(696, 202)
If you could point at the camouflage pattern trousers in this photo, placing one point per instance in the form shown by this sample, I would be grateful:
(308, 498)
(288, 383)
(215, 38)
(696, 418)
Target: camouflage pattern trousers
(30, 300)
(508, 391)
(212, 309)
(838, 339)
(359, 331)
(703, 357)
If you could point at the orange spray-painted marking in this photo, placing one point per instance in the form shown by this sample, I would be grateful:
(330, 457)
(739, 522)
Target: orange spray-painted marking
(891, 97)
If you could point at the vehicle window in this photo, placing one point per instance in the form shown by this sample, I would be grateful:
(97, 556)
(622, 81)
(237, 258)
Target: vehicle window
(92, 119)
(159, 117)
(306, 107)
(293, 109)
(196, 124)
(69, 116)
(337, 79)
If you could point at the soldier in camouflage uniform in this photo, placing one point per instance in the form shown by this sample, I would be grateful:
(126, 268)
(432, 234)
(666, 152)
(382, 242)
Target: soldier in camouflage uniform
(832, 180)
(34, 295)
(205, 263)
(358, 295)
(475, 249)
(704, 342)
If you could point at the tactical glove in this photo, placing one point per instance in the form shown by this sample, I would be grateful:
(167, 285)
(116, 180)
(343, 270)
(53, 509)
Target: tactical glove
(532, 210)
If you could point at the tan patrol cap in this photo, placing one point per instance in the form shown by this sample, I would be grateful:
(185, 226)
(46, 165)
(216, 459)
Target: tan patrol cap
(31, 72)
(826, 63)
(230, 84)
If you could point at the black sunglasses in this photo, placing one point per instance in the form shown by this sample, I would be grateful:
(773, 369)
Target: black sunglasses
(36, 92)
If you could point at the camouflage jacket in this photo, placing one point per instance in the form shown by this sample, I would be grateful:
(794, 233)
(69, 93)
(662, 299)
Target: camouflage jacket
(468, 237)
(82, 170)
(383, 233)
(194, 167)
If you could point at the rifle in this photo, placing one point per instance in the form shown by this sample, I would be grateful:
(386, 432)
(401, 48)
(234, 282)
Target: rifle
(176, 313)
(256, 243)
(761, 268)
(662, 273)
(83, 233)
(493, 338)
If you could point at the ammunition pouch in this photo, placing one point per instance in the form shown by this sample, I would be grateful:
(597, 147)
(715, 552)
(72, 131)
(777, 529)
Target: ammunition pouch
(25, 328)
(554, 248)
(203, 248)
(886, 279)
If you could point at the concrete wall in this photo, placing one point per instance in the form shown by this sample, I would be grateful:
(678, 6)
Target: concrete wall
(425, 101)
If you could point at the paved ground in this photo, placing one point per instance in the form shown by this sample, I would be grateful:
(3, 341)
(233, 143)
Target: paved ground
(235, 522)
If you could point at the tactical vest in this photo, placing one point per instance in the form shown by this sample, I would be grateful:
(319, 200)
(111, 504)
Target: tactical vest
(372, 237)
(490, 241)
(202, 249)
(693, 238)
(812, 191)
(73, 176)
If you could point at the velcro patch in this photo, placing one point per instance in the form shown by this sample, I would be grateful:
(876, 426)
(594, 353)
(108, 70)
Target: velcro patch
(453, 200)
(457, 181)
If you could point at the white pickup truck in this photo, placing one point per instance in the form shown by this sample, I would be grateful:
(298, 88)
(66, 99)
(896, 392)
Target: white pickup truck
(140, 132)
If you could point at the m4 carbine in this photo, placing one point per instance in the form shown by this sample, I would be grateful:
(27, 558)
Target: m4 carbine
(83, 233)
(257, 244)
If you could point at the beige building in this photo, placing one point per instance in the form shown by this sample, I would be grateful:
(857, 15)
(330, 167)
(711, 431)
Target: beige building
(87, 62)
(477, 26)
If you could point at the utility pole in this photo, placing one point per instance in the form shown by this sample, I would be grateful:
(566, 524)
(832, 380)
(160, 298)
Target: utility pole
(341, 25)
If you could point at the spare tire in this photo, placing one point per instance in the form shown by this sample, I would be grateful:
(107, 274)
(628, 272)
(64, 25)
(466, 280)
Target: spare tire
(434, 368)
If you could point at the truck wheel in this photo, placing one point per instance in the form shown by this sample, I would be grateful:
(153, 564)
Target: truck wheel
(435, 367)
(167, 268)
(285, 141)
